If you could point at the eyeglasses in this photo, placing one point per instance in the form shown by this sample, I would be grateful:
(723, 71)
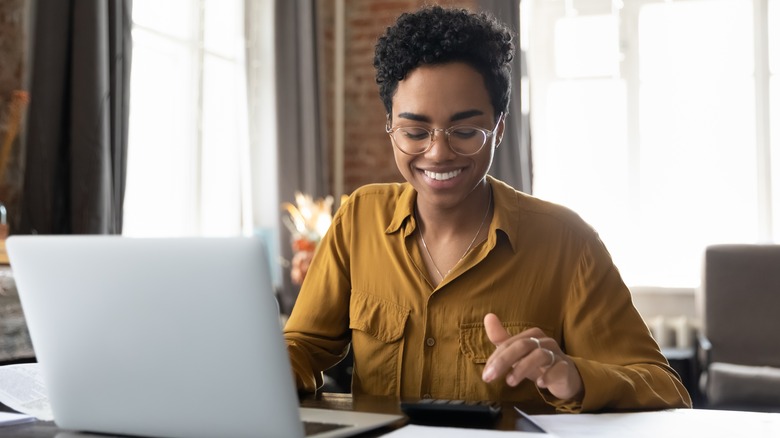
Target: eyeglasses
(464, 140)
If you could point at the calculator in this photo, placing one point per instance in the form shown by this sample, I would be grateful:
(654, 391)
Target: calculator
(457, 412)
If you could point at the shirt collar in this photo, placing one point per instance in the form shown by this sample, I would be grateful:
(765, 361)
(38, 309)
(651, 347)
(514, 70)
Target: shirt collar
(506, 212)
(404, 208)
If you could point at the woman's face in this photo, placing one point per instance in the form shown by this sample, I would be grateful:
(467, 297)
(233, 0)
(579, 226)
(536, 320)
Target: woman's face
(441, 96)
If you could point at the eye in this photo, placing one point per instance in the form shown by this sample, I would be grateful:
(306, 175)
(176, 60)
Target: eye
(464, 132)
(415, 133)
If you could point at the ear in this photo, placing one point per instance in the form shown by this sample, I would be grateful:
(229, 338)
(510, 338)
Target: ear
(500, 130)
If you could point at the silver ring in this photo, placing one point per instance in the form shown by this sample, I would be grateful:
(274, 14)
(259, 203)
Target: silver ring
(538, 344)
(552, 357)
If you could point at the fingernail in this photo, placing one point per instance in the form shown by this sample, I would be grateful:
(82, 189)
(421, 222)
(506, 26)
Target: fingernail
(540, 382)
(489, 374)
(511, 380)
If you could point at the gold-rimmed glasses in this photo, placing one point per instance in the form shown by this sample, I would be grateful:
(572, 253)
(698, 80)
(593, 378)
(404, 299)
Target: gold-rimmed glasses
(464, 140)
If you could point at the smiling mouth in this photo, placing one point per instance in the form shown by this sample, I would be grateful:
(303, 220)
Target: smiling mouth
(442, 176)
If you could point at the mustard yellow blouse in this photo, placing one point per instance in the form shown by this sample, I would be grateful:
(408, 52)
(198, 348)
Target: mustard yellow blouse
(541, 266)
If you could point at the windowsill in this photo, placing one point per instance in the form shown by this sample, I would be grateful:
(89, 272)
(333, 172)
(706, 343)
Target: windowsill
(664, 301)
(658, 290)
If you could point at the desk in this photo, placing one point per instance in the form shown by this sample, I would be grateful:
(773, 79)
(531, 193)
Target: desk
(672, 423)
(45, 429)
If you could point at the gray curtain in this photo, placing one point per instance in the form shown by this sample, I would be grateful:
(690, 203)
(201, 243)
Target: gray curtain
(302, 161)
(77, 125)
(512, 162)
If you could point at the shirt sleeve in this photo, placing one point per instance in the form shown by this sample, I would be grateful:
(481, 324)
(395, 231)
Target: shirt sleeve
(621, 365)
(317, 332)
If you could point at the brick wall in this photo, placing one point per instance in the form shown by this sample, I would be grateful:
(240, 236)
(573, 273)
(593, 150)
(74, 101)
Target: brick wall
(368, 156)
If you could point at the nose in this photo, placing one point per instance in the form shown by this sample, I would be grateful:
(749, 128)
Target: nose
(440, 148)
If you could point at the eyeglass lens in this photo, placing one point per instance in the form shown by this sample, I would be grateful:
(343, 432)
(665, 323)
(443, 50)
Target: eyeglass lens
(465, 140)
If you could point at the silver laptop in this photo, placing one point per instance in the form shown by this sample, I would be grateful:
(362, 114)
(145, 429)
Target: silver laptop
(171, 337)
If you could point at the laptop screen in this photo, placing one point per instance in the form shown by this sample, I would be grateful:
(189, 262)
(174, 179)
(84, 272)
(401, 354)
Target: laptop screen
(168, 337)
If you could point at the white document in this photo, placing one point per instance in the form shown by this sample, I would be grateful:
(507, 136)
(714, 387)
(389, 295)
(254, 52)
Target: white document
(9, 419)
(22, 389)
(683, 423)
(415, 431)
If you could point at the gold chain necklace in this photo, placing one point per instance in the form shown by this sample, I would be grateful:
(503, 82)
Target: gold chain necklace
(425, 246)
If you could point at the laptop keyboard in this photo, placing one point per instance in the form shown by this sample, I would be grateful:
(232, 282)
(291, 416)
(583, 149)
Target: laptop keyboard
(313, 427)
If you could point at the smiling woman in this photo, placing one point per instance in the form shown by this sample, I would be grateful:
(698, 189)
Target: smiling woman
(454, 285)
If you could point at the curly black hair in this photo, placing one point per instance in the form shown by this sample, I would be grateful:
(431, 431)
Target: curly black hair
(435, 35)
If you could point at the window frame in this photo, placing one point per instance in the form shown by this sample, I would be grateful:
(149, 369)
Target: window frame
(539, 17)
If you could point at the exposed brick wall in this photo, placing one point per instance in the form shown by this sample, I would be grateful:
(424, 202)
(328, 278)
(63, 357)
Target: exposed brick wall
(14, 16)
(368, 156)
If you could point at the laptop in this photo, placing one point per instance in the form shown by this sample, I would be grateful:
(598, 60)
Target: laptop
(164, 337)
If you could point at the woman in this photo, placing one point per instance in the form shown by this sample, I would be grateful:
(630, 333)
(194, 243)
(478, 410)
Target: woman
(453, 285)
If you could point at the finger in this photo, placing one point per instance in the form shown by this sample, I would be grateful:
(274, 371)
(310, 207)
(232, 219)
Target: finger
(531, 367)
(508, 355)
(526, 336)
(509, 349)
(495, 330)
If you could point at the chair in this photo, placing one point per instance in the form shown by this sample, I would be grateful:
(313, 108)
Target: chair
(739, 302)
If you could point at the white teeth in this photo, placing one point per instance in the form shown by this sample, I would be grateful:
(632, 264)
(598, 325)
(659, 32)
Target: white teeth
(442, 176)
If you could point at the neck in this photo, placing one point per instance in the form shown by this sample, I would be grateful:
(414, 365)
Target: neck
(457, 219)
(440, 253)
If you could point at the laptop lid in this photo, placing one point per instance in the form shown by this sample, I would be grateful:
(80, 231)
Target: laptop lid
(175, 337)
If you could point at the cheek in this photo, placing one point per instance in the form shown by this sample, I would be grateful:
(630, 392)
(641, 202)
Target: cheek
(401, 160)
(401, 164)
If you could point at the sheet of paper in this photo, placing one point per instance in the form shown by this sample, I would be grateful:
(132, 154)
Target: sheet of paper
(9, 419)
(414, 431)
(670, 423)
(22, 389)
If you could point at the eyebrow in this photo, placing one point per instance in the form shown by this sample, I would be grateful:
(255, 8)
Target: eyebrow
(455, 117)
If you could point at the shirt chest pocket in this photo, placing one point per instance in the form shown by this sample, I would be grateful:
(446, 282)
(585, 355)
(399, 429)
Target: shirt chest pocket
(377, 342)
(475, 349)
(474, 343)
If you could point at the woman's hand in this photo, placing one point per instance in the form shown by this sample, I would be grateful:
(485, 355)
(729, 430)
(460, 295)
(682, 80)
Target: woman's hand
(531, 355)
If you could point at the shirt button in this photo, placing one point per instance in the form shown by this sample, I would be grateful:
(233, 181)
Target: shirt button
(430, 342)
(426, 396)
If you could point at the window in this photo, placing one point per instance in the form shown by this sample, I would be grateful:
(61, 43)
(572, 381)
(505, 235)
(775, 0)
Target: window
(652, 119)
(188, 150)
